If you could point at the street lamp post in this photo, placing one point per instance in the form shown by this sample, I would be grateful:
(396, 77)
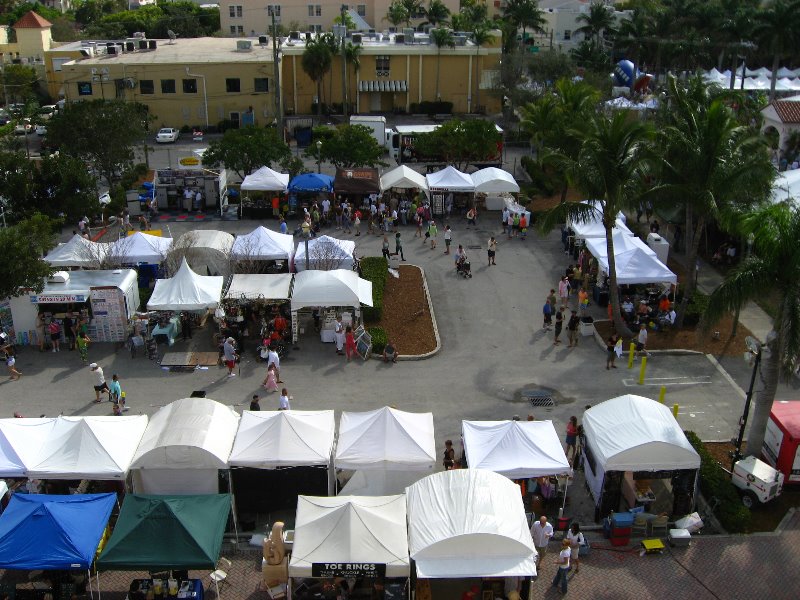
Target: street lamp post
(319, 156)
(754, 348)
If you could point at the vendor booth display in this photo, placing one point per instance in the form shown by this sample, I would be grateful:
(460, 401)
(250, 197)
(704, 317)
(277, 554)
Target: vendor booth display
(155, 533)
(635, 261)
(140, 248)
(186, 291)
(266, 287)
(452, 182)
(325, 253)
(185, 445)
(97, 448)
(403, 177)
(468, 523)
(633, 443)
(263, 244)
(79, 252)
(171, 185)
(21, 442)
(104, 300)
(207, 251)
(39, 531)
(271, 201)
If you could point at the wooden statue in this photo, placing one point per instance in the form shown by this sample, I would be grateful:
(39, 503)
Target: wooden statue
(274, 550)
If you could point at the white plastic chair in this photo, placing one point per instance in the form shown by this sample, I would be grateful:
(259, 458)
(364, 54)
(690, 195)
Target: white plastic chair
(220, 575)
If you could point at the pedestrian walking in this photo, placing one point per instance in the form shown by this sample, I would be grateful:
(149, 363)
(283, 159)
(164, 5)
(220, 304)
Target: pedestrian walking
(510, 225)
(448, 238)
(100, 384)
(284, 400)
(523, 226)
(186, 326)
(229, 355)
(11, 362)
(385, 247)
(338, 333)
(611, 348)
(472, 217)
(541, 532)
(563, 566)
(117, 396)
(547, 311)
(357, 222)
(418, 221)
(70, 329)
(583, 301)
(449, 461)
(563, 291)
(270, 382)
(572, 329)
(82, 344)
(641, 340)
(492, 250)
(552, 298)
(349, 343)
(274, 361)
(54, 329)
(398, 246)
(254, 403)
(433, 231)
(559, 325)
(572, 436)
(504, 218)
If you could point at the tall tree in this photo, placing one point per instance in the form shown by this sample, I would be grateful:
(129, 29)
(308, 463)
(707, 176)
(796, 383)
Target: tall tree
(352, 55)
(246, 149)
(396, 13)
(775, 266)
(437, 13)
(525, 14)
(597, 23)
(23, 245)
(349, 146)
(413, 8)
(18, 82)
(778, 29)
(442, 38)
(710, 164)
(461, 143)
(316, 62)
(481, 34)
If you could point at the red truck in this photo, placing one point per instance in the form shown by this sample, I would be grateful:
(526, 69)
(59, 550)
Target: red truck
(781, 447)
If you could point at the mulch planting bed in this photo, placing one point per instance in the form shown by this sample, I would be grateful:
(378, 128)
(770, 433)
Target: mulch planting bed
(406, 316)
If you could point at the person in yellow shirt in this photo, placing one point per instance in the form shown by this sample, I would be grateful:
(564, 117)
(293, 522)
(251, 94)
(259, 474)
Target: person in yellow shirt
(583, 301)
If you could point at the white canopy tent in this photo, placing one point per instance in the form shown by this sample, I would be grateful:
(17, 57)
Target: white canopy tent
(186, 291)
(386, 439)
(469, 523)
(78, 252)
(636, 262)
(140, 248)
(325, 253)
(21, 442)
(350, 529)
(265, 179)
(269, 287)
(263, 244)
(207, 251)
(380, 483)
(786, 186)
(492, 180)
(633, 433)
(184, 446)
(94, 447)
(622, 243)
(403, 177)
(593, 227)
(516, 449)
(450, 179)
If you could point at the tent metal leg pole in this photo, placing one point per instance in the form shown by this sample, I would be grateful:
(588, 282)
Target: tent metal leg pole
(89, 579)
(233, 512)
(216, 585)
(98, 585)
(564, 502)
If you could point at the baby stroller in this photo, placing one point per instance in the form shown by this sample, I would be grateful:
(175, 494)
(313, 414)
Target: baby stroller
(463, 269)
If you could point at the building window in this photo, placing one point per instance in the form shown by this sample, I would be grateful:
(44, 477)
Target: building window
(382, 66)
(240, 29)
(361, 9)
(233, 29)
(146, 86)
(232, 86)
(190, 86)
(314, 10)
(167, 86)
(567, 34)
(84, 88)
(261, 85)
(274, 9)
(235, 11)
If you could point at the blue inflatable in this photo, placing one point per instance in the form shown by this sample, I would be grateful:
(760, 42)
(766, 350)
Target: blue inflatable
(624, 73)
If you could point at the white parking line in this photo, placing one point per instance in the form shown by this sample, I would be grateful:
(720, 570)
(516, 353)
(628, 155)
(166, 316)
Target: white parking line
(725, 374)
(668, 381)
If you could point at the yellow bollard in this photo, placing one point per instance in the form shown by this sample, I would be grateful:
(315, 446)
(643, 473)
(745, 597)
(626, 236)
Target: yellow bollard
(642, 369)
(662, 393)
(631, 354)
(675, 410)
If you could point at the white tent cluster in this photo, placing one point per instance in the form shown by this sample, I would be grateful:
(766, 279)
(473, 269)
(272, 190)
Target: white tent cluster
(756, 79)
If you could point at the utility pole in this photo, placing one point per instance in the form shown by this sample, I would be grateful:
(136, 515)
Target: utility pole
(276, 65)
(344, 59)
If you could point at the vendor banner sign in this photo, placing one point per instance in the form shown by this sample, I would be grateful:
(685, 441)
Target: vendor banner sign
(369, 570)
(58, 299)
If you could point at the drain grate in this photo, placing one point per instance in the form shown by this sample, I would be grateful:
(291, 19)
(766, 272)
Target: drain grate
(540, 398)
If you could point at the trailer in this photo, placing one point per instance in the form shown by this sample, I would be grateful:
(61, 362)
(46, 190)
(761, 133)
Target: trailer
(781, 447)
(376, 124)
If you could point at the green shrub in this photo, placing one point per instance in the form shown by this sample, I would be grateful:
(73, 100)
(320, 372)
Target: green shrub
(694, 311)
(715, 482)
(374, 269)
(379, 339)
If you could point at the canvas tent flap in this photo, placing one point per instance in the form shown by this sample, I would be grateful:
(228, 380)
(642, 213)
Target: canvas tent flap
(637, 266)
(325, 253)
(469, 523)
(380, 483)
(167, 532)
(386, 438)
(40, 531)
(516, 449)
(403, 177)
(140, 248)
(622, 243)
(21, 442)
(186, 291)
(492, 180)
(361, 180)
(268, 287)
(350, 529)
(78, 252)
(265, 179)
(330, 288)
(207, 251)
(311, 182)
(633, 433)
(93, 447)
(450, 179)
(286, 438)
(263, 244)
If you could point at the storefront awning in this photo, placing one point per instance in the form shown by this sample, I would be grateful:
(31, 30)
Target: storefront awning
(383, 86)
(363, 180)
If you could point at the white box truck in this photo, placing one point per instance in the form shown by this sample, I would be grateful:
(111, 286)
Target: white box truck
(376, 123)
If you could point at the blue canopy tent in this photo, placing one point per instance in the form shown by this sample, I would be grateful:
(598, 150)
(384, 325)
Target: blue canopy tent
(311, 182)
(48, 532)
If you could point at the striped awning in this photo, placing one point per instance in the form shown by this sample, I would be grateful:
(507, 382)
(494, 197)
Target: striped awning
(383, 86)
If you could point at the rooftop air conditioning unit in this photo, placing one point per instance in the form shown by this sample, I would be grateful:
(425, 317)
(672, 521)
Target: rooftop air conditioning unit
(263, 40)
(460, 40)
(356, 39)
(294, 35)
(130, 46)
(309, 36)
(152, 44)
(244, 45)
(399, 38)
(142, 44)
(111, 50)
(408, 32)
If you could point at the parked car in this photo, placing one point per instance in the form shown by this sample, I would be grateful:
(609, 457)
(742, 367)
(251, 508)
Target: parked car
(48, 111)
(167, 135)
(41, 130)
(4, 117)
(23, 127)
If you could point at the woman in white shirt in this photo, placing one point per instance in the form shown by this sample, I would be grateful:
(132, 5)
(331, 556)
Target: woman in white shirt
(563, 566)
(575, 538)
(283, 401)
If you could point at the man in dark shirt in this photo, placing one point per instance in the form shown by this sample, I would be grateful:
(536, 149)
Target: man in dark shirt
(254, 405)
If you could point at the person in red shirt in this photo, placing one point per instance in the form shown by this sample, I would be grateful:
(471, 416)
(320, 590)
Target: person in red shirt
(349, 343)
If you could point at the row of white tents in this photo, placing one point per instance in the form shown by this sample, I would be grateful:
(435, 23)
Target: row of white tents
(758, 79)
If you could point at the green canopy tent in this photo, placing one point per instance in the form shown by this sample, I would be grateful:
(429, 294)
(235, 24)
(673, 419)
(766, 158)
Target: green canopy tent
(167, 532)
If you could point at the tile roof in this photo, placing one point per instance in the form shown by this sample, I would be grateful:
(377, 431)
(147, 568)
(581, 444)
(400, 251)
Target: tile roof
(788, 110)
(31, 20)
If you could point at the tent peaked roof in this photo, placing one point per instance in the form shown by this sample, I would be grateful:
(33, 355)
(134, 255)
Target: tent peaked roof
(39, 531)
(450, 179)
(350, 529)
(263, 244)
(633, 433)
(167, 532)
(266, 179)
(330, 288)
(78, 252)
(140, 248)
(324, 253)
(386, 438)
(192, 433)
(516, 449)
(494, 180)
(186, 290)
(311, 182)
(272, 439)
(468, 523)
(90, 448)
(403, 177)
(21, 442)
(638, 266)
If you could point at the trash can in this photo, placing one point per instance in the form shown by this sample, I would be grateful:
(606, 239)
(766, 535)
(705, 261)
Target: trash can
(587, 326)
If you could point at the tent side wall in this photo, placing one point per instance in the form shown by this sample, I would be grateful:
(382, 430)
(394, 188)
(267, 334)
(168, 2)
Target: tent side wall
(176, 481)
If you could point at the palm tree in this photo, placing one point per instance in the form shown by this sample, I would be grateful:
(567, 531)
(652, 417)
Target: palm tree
(609, 167)
(777, 29)
(711, 165)
(396, 14)
(598, 22)
(525, 14)
(413, 8)
(775, 266)
(316, 62)
(441, 37)
(352, 53)
(437, 13)
(481, 35)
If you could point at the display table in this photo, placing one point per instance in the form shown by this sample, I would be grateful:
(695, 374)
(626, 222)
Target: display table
(170, 330)
(187, 590)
